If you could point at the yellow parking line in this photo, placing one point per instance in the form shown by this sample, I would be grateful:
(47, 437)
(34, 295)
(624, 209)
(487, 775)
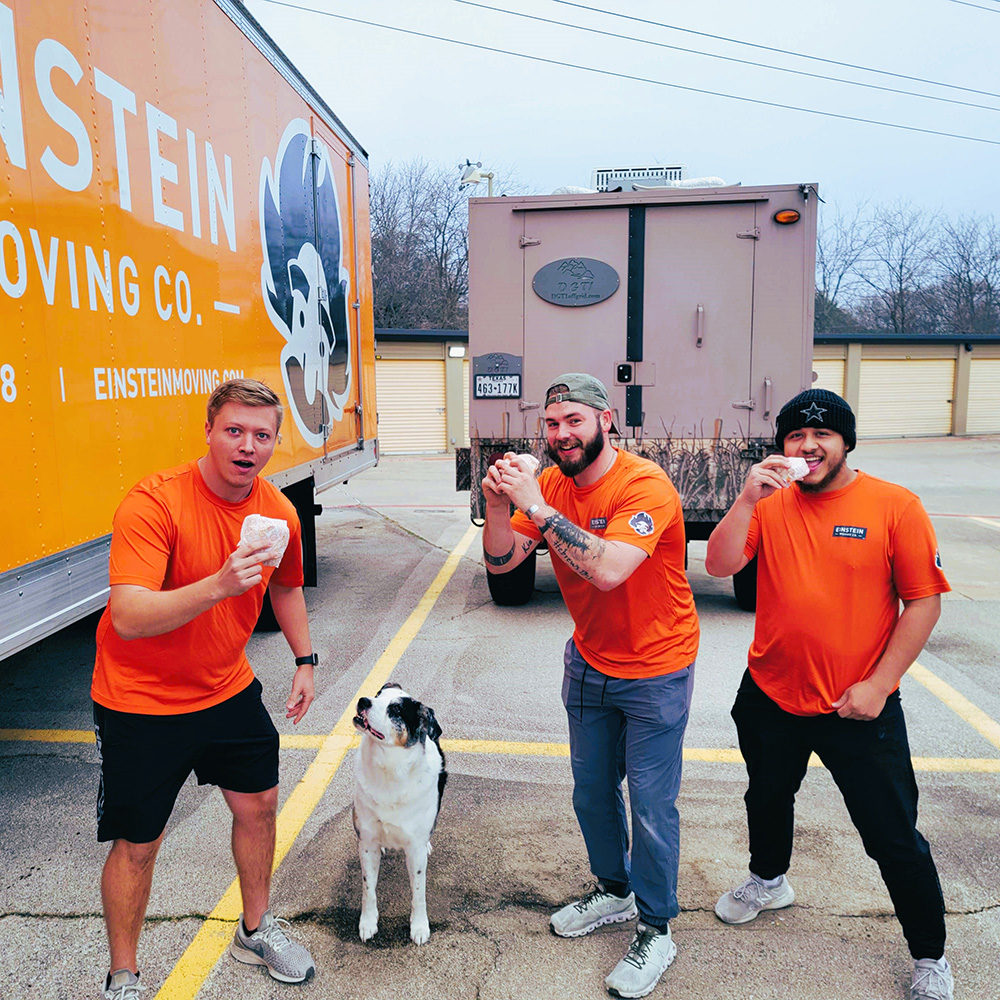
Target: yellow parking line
(989, 522)
(958, 703)
(514, 748)
(214, 936)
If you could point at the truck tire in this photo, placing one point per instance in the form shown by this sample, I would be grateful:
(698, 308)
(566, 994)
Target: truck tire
(513, 588)
(745, 586)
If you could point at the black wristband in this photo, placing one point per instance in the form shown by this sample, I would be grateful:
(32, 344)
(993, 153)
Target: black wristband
(312, 659)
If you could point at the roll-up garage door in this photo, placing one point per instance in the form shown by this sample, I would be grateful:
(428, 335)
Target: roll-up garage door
(411, 407)
(984, 396)
(829, 375)
(905, 398)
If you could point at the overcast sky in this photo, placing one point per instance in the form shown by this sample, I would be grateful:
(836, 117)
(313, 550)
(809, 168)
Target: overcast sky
(404, 96)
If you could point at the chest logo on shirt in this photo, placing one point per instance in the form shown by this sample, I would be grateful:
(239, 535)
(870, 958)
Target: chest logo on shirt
(598, 523)
(849, 531)
(641, 523)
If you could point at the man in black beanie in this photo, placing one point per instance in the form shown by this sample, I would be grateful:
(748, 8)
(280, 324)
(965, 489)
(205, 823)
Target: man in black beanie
(837, 551)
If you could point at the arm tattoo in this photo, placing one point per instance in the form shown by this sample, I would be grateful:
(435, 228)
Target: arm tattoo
(499, 560)
(575, 546)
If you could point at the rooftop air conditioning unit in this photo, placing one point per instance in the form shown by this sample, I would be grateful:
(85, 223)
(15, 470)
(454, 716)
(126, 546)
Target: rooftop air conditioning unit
(633, 178)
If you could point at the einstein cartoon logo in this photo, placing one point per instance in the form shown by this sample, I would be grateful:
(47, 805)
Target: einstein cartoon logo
(304, 286)
(641, 523)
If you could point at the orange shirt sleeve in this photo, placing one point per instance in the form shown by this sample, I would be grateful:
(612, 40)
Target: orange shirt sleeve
(288, 573)
(916, 563)
(753, 535)
(643, 511)
(141, 541)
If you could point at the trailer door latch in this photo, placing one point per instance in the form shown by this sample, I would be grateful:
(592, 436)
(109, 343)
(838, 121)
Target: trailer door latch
(528, 241)
(749, 234)
(744, 404)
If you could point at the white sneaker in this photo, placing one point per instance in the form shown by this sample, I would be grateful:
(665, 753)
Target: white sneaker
(932, 980)
(593, 910)
(741, 905)
(648, 957)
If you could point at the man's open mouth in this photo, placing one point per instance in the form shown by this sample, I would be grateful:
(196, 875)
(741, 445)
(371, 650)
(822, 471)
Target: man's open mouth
(361, 722)
(243, 464)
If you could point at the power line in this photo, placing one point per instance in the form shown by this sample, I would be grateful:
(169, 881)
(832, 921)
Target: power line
(732, 59)
(784, 52)
(965, 3)
(635, 78)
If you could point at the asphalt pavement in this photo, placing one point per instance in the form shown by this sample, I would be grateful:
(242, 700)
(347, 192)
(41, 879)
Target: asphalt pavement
(403, 595)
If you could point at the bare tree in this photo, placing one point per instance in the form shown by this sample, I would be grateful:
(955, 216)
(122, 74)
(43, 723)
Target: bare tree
(841, 245)
(899, 267)
(968, 260)
(420, 256)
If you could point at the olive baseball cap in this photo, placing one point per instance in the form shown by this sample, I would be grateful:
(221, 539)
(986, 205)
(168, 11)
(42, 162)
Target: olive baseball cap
(579, 387)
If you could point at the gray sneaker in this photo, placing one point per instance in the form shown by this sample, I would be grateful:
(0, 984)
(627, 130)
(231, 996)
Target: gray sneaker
(122, 985)
(286, 961)
(593, 910)
(931, 981)
(742, 905)
(648, 957)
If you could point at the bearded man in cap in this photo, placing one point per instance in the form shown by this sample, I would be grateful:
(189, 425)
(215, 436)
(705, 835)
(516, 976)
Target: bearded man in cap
(614, 525)
(837, 552)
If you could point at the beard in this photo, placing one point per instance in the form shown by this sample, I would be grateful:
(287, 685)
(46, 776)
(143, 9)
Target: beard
(826, 480)
(591, 449)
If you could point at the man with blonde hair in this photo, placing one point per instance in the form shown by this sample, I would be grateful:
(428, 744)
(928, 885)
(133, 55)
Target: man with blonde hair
(173, 690)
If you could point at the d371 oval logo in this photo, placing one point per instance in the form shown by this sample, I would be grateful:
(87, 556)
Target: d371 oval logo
(575, 281)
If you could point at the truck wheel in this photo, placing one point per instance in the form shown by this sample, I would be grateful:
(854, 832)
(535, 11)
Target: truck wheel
(513, 588)
(745, 586)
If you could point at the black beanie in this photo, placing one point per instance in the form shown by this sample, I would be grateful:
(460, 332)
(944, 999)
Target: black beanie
(816, 408)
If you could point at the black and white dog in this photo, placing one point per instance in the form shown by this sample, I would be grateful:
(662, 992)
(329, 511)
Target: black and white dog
(399, 779)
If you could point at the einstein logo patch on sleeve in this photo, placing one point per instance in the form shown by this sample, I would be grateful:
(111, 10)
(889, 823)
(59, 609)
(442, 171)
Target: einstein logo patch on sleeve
(598, 523)
(849, 531)
(641, 523)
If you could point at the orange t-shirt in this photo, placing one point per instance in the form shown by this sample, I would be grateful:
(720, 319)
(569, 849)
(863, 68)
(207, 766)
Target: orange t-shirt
(647, 625)
(831, 569)
(169, 531)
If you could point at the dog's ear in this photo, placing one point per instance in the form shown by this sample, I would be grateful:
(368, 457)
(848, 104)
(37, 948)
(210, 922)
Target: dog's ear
(428, 723)
(388, 684)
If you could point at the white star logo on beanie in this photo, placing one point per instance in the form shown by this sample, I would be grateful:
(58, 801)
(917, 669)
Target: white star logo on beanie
(814, 412)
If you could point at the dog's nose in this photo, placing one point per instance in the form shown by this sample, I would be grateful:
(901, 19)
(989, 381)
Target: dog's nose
(364, 704)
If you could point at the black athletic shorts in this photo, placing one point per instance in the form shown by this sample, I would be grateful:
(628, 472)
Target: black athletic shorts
(146, 758)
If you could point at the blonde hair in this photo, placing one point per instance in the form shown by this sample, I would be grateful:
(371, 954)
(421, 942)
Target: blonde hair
(246, 391)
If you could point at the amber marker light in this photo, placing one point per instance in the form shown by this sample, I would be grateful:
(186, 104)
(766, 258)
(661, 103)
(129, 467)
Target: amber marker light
(786, 216)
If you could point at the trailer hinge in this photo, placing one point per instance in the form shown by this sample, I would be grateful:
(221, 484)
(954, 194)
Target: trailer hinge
(749, 234)
(522, 405)
(357, 409)
(321, 292)
(744, 404)
(528, 241)
(315, 149)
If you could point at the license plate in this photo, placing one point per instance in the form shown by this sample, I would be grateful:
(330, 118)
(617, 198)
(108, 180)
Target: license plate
(497, 387)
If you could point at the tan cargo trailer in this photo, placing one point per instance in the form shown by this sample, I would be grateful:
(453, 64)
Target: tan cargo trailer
(694, 306)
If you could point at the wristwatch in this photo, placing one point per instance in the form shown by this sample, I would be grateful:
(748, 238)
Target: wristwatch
(530, 512)
(312, 659)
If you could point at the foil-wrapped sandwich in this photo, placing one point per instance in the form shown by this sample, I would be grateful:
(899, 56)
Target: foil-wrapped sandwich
(258, 530)
(797, 468)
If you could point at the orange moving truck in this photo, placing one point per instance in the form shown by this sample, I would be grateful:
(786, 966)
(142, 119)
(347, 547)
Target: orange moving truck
(693, 305)
(178, 207)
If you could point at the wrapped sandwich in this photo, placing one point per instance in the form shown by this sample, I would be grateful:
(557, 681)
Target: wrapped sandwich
(797, 468)
(258, 530)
